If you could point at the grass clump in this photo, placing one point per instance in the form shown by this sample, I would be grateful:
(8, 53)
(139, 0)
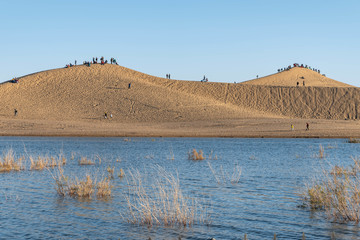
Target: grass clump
(86, 187)
(160, 203)
(42, 162)
(8, 162)
(337, 193)
(195, 155)
(86, 161)
(353, 140)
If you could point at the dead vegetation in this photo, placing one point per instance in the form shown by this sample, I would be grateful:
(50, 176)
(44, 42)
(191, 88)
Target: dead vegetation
(160, 203)
(195, 155)
(86, 187)
(337, 193)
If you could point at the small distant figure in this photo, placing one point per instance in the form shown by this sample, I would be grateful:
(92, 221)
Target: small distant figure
(297, 83)
(304, 83)
(15, 112)
(257, 76)
(292, 127)
(307, 126)
(75, 62)
(169, 76)
(129, 86)
(111, 115)
(105, 115)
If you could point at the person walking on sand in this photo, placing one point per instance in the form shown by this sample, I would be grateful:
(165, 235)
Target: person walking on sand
(307, 126)
(15, 112)
(105, 115)
(129, 86)
(292, 127)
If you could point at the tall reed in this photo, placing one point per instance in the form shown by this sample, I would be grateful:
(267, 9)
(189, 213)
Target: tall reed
(338, 193)
(160, 203)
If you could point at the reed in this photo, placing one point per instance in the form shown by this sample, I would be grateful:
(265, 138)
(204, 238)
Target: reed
(321, 151)
(86, 187)
(194, 155)
(110, 172)
(338, 193)
(8, 162)
(161, 203)
(103, 188)
(121, 173)
(223, 177)
(86, 161)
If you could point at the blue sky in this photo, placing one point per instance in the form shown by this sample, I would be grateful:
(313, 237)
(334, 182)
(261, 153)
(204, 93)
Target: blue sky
(226, 40)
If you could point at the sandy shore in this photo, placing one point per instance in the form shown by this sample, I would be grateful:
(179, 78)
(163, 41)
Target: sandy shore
(235, 128)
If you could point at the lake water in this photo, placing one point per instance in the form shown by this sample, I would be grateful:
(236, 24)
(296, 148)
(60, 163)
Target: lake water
(265, 201)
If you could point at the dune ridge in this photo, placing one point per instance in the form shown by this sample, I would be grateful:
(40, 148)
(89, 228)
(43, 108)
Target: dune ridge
(80, 96)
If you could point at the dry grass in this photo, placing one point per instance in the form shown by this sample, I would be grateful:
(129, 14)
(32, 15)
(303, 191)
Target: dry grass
(194, 155)
(160, 203)
(121, 173)
(110, 172)
(353, 140)
(86, 187)
(223, 177)
(103, 188)
(86, 161)
(8, 162)
(42, 162)
(321, 151)
(338, 193)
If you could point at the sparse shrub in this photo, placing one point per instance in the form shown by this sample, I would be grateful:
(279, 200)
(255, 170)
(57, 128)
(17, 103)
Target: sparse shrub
(194, 155)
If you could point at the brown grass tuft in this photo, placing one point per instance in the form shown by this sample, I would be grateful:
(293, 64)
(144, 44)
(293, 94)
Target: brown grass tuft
(8, 162)
(194, 155)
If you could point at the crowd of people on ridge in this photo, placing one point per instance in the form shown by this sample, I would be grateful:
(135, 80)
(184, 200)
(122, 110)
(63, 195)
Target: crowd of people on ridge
(95, 60)
(298, 65)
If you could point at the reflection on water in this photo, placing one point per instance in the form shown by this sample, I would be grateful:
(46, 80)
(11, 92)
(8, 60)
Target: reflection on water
(265, 201)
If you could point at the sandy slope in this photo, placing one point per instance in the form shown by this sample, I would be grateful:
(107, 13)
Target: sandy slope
(72, 101)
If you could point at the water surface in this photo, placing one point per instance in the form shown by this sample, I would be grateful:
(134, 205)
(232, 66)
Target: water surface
(265, 201)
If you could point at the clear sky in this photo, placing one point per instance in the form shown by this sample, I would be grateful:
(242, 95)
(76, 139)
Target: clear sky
(226, 40)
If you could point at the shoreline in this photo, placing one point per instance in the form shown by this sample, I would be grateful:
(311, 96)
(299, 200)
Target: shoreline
(223, 128)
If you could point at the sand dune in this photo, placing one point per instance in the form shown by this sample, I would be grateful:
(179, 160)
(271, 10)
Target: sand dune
(76, 98)
(296, 75)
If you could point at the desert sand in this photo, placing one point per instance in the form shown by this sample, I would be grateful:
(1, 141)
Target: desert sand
(72, 102)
